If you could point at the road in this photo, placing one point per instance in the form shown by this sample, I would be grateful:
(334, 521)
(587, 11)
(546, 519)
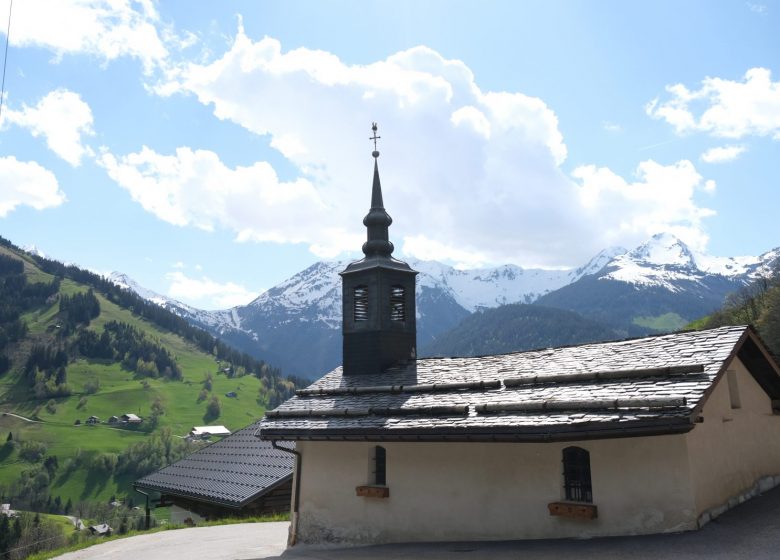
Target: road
(750, 531)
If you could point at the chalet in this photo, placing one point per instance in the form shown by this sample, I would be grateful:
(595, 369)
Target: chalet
(102, 530)
(650, 435)
(206, 431)
(130, 418)
(113, 420)
(236, 476)
(93, 420)
(6, 511)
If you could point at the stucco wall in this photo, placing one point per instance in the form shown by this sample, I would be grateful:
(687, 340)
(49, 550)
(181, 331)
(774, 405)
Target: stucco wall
(475, 491)
(733, 448)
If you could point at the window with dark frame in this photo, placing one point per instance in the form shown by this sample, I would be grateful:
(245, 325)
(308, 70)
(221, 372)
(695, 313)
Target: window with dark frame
(360, 296)
(380, 466)
(576, 475)
(397, 303)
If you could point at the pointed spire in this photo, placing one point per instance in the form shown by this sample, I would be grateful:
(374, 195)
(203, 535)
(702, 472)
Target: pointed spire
(377, 221)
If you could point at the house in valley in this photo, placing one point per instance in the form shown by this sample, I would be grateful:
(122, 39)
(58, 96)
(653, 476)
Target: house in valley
(101, 530)
(200, 432)
(650, 435)
(130, 418)
(237, 476)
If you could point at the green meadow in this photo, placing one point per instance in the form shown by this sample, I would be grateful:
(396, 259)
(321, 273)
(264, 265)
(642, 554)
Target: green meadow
(53, 422)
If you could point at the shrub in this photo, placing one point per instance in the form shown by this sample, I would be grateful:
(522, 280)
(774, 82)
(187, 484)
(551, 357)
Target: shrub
(92, 386)
(32, 451)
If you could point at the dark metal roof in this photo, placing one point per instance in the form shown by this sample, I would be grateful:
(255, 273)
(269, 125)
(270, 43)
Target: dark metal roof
(611, 389)
(232, 472)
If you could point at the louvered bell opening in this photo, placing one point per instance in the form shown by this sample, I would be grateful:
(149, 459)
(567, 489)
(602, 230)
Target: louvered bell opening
(360, 297)
(397, 304)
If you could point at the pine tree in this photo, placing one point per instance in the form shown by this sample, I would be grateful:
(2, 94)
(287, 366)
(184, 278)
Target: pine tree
(5, 534)
(10, 437)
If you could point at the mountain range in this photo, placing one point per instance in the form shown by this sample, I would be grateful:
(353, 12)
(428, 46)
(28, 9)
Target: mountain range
(657, 286)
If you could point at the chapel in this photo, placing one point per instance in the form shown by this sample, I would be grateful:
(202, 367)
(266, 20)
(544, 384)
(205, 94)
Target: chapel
(648, 435)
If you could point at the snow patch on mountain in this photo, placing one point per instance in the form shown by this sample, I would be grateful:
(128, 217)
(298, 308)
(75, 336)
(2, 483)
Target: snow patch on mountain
(665, 261)
(216, 319)
(33, 250)
(597, 263)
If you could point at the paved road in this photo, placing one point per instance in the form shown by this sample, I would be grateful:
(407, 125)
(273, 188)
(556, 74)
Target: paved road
(750, 531)
(223, 542)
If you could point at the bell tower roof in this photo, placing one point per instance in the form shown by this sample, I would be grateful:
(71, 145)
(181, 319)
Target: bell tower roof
(378, 248)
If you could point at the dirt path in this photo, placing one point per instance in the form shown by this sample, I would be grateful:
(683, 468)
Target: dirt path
(23, 418)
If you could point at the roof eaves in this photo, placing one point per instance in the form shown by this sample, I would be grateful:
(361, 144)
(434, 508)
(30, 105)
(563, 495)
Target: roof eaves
(589, 431)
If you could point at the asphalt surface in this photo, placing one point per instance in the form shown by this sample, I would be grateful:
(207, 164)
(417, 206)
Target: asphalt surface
(750, 531)
(223, 542)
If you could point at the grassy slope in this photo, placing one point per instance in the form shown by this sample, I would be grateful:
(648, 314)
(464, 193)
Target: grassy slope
(667, 322)
(120, 392)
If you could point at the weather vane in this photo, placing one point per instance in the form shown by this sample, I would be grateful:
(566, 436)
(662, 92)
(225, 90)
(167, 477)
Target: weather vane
(375, 138)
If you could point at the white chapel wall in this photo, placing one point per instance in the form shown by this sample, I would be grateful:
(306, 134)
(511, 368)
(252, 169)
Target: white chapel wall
(478, 491)
(734, 448)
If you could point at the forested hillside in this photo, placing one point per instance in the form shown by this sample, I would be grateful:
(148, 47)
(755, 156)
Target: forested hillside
(757, 304)
(516, 327)
(76, 350)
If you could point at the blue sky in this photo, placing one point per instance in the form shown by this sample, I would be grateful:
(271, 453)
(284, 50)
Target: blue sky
(210, 150)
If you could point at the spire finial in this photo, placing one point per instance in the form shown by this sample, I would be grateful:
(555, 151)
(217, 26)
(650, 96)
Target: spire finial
(374, 127)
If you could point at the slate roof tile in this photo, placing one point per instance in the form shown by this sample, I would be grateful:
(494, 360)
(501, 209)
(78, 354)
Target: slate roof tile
(400, 400)
(230, 472)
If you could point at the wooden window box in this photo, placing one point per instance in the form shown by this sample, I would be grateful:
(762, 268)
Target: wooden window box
(573, 510)
(373, 491)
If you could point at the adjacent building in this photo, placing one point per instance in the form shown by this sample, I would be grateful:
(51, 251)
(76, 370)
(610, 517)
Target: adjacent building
(237, 476)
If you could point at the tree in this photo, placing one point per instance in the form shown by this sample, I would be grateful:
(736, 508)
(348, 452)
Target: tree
(214, 408)
(10, 437)
(769, 322)
(5, 534)
(51, 464)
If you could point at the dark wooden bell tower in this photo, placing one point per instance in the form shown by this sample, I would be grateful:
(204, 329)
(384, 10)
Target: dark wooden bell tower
(379, 313)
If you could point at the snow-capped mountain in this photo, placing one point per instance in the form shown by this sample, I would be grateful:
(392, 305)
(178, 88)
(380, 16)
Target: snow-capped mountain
(216, 320)
(666, 261)
(662, 284)
(296, 324)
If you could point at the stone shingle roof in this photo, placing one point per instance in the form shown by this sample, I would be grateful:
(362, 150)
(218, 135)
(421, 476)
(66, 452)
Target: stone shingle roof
(631, 387)
(231, 472)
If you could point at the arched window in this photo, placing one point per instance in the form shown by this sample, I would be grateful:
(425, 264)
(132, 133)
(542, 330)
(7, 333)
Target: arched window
(397, 303)
(380, 466)
(576, 475)
(360, 296)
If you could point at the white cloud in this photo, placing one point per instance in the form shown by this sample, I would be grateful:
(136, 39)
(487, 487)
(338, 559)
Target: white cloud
(660, 199)
(470, 175)
(723, 154)
(724, 108)
(27, 183)
(194, 188)
(107, 29)
(611, 127)
(205, 290)
(61, 117)
(760, 9)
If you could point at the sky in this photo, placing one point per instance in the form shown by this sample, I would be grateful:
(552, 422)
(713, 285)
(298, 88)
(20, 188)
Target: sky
(211, 150)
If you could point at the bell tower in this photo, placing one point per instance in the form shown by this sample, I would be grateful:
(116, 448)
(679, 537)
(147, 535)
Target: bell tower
(379, 313)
